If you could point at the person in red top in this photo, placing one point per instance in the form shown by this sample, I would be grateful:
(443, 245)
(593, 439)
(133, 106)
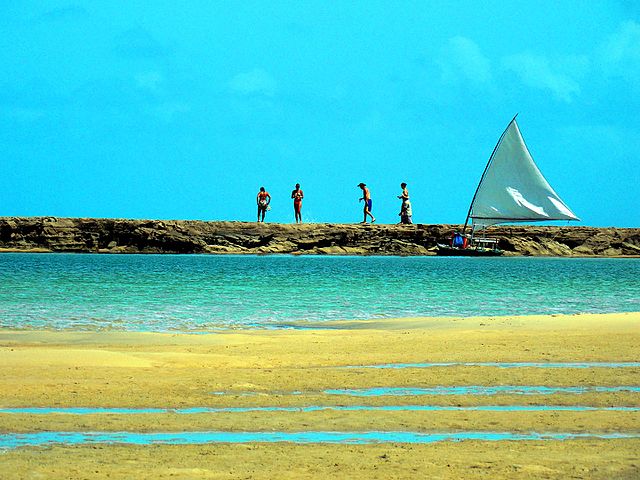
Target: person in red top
(297, 196)
(263, 199)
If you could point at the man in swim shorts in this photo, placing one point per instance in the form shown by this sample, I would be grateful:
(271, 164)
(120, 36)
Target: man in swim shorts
(297, 196)
(366, 196)
(263, 199)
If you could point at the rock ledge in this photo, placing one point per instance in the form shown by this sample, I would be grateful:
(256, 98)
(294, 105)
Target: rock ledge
(91, 235)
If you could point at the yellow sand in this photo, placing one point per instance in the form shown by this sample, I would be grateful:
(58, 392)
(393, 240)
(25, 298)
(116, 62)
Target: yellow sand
(119, 369)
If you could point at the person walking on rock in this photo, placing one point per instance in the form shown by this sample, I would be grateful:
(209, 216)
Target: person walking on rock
(297, 196)
(263, 199)
(366, 196)
(405, 208)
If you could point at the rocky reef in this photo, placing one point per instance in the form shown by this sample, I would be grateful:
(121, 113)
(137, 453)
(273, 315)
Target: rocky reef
(92, 235)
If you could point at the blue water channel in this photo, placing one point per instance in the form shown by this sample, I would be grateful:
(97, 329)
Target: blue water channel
(455, 390)
(479, 390)
(17, 440)
(503, 365)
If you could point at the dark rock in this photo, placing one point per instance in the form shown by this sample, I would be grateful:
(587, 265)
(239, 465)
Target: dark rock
(187, 236)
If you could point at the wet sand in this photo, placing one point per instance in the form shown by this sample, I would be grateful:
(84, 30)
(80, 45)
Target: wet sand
(294, 367)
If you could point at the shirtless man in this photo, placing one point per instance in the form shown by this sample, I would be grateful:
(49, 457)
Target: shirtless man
(366, 196)
(263, 200)
(297, 196)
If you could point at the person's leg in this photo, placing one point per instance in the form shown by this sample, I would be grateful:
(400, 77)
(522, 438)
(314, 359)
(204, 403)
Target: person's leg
(296, 208)
(367, 212)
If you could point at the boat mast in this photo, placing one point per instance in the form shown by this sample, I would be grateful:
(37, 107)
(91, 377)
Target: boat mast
(466, 222)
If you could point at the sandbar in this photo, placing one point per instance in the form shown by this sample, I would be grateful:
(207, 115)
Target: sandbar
(295, 367)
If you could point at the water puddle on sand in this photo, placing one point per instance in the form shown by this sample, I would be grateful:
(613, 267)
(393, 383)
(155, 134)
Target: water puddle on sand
(451, 390)
(15, 440)
(503, 365)
(312, 408)
(478, 390)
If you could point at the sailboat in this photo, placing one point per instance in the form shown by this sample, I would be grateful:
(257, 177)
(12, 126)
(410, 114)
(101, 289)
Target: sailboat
(511, 189)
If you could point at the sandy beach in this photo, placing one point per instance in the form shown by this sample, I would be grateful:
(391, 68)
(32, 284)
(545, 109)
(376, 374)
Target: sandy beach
(296, 367)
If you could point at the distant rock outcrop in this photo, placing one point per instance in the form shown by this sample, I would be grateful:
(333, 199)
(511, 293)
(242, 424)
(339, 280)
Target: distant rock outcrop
(50, 234)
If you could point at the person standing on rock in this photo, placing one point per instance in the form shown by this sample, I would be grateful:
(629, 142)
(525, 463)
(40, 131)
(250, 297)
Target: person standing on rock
(405, 208)
(263, 199)
(297, 196)
(366, 196)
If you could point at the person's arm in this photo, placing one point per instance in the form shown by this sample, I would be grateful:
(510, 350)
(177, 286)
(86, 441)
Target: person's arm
(268, 199)
(258, 199)
(301, 194)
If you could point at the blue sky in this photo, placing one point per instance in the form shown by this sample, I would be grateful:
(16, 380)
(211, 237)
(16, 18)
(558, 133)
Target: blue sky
(182, 110)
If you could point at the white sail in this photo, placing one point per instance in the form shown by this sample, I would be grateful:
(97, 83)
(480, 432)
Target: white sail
(512, 188)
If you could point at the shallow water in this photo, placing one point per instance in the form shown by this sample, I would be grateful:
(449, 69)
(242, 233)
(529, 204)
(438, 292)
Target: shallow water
(479, 390)
(204, 292)
(16, 440)
(579, 365)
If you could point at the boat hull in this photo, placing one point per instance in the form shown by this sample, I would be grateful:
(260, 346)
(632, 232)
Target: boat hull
(448, 251)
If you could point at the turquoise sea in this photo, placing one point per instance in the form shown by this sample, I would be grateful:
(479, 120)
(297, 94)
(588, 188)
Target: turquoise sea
(204, 292)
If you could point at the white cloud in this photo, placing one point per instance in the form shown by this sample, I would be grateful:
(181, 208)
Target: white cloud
(624, 45)
(578, 65)
(257, 81)
(149, 81)
(620, 53)
(137, 43)
(536, 71)
(462, 59)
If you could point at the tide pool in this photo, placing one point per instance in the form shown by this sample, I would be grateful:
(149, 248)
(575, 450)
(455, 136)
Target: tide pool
(205, 292)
